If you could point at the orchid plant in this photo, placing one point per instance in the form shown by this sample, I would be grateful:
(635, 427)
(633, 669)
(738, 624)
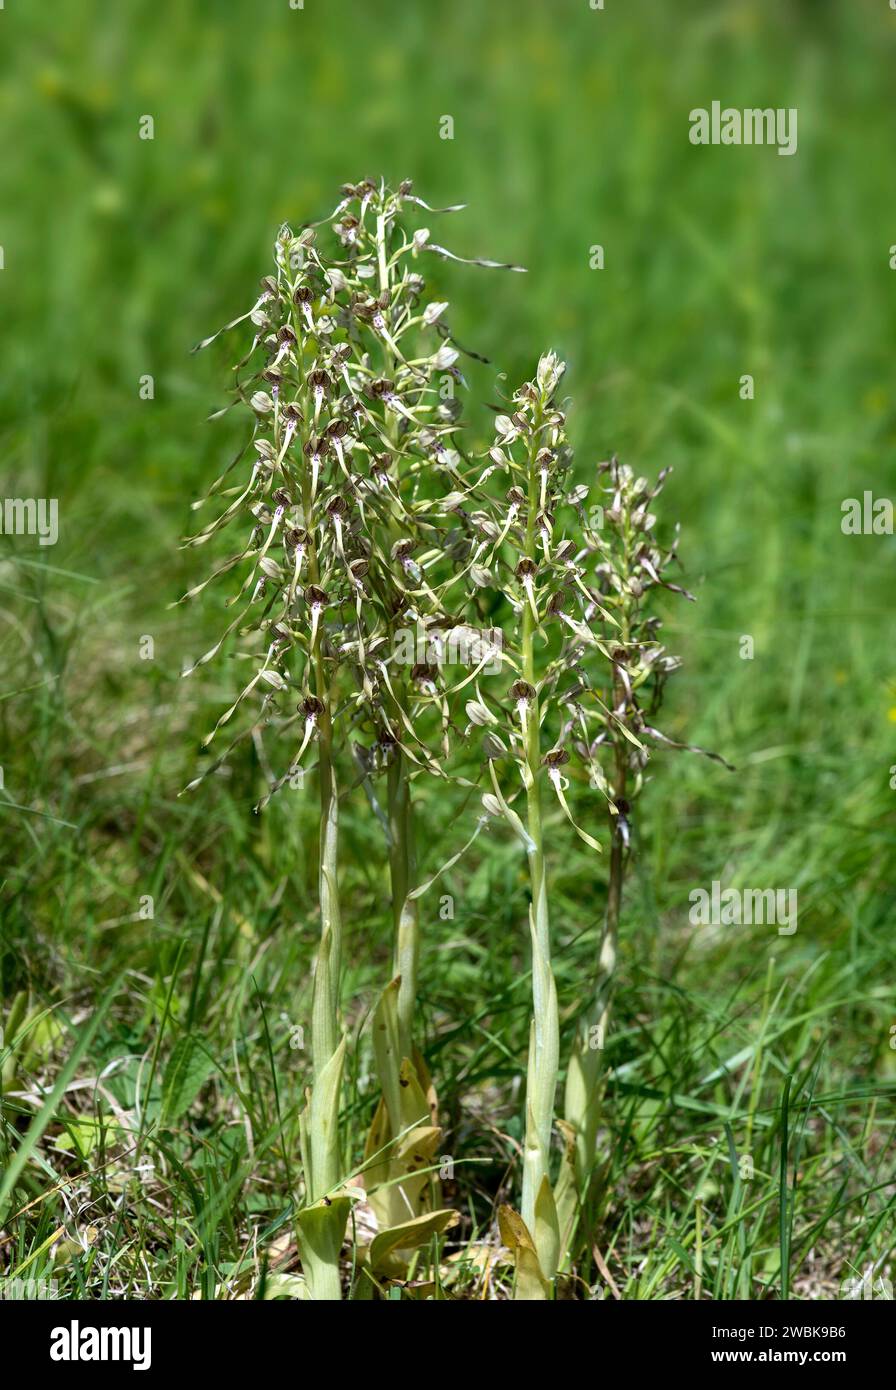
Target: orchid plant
(367, 518)
(349, 383)
(583, 674)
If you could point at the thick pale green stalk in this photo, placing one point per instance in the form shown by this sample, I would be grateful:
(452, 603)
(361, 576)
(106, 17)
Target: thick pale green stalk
(322, 1228)
(406, 912)
(322, 1223)
(325, 1009)
(541, 1084)
(325, 1032)
(586, 1145)
(583, 1077)
(585, 1071)
(402, 857)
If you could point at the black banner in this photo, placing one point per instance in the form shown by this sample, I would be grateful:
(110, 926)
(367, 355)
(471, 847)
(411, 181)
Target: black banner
(66, 1338)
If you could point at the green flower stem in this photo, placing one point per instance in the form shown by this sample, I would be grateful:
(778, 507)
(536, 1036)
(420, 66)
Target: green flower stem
(582, 1104)
(544, 1036)
(402, 858)
(406, 912)
(325, 1007)
(322, 1226)
(325, 1030)
(593, 1034)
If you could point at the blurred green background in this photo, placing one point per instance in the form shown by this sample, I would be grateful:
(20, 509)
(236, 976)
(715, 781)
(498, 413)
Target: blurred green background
(570, 131)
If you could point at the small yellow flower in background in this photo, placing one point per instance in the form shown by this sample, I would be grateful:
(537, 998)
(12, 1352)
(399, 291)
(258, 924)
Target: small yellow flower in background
(875, 400)
(49, 82)
(107, 199)
(891, 714)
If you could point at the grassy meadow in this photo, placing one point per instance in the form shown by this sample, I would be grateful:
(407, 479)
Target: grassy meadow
(156, 951)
